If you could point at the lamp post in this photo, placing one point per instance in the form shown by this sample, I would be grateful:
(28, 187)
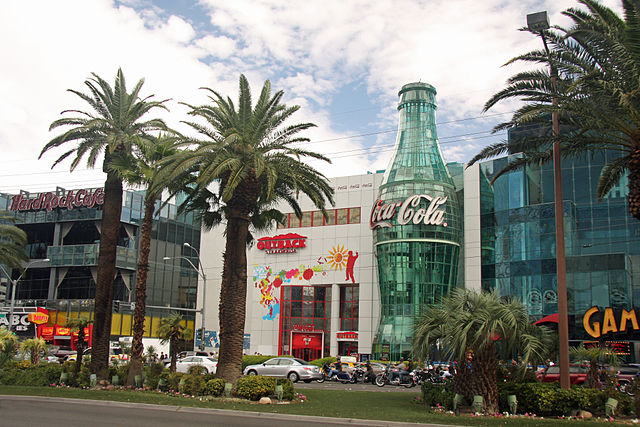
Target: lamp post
(202, 274)
(539, 22)
(14, 285)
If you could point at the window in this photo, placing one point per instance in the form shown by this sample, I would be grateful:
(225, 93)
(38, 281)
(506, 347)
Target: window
(349, 310)
(316, 218)
(286, 362)
(342, 216)
(271, 362)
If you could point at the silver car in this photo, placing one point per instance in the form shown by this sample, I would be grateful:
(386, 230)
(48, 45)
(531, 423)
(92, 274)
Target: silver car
(286, 367)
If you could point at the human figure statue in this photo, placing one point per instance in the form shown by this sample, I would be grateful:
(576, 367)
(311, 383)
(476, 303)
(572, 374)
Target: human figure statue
(350, 263)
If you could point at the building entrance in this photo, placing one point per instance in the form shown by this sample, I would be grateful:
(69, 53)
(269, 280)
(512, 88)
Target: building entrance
(307, 345)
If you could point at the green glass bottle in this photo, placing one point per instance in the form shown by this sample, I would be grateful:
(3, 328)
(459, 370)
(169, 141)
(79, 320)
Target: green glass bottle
(416, 223)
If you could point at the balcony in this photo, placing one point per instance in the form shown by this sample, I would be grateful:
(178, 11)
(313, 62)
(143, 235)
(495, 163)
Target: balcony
(87, 255)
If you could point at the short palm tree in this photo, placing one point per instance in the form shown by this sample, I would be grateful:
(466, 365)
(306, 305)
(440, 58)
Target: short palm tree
(78, 325)
(35, 347)
(113, 127)
(173, 329)
(144, 173)
(249, 152)
(596, 357)
(597, 61)
(8, 345)
(13, 241)
(484, 327)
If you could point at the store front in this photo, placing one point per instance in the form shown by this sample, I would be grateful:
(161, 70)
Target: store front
(307, 345)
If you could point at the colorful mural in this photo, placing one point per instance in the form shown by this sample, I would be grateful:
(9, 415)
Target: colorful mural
(268, 283)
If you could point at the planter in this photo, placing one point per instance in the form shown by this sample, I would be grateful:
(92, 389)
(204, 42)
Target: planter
(64, 377)
(228, 387)
(478, 404)
(93, 380)
(513, 403)
(458, 399)
(138, 380)
(610, 407)
(115, 380)
(279, 391)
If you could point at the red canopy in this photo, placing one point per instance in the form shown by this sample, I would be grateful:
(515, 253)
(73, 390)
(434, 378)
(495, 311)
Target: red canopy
(552, 318)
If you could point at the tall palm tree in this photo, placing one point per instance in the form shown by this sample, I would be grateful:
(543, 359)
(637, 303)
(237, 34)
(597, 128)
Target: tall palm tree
(145, 173)
(596, 357)
(78, 325)
(36, 347)
(12, 242)
(598, 64)
(481, 327)
(173, 329)
(248, 151)
(114, 127)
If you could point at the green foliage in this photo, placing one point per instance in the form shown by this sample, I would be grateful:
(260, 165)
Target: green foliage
(8, 345)
(254, 360)
(515, 374)
(546, 399)
(438, 394)
(320, 362)
(192, 384)
(21, 373)
(214, 387)
(256, 386)
(173, 380)
(13, 241)
(155, 369)
(35, 348)
(196, 370)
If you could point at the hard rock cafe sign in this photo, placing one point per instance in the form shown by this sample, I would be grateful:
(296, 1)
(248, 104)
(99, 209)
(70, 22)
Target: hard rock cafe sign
(283, 243)
(49, 201)
(409, 212)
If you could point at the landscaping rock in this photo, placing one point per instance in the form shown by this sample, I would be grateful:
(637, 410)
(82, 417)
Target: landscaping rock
(585, 414)
(264, 401)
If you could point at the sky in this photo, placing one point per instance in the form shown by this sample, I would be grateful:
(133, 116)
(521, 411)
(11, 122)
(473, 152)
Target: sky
(342, 61)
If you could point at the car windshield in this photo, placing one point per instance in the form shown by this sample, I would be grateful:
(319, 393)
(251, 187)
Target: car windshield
(211, 359)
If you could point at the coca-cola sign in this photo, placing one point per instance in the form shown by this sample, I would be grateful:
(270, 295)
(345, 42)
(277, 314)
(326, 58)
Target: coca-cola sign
(49, 201)
(409, 212)
(283, 243)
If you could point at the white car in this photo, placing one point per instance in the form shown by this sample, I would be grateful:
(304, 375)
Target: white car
(210, 364)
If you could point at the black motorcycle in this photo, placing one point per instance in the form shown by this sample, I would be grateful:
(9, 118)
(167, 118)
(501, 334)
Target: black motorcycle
(385, 378)
(341, 376)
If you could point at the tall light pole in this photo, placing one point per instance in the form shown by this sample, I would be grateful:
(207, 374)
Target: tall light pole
(539, 22)
(14, 285)
(202, 274)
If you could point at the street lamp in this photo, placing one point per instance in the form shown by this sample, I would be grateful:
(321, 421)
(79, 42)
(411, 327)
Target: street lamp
(14, 285)
(539, 22)
(202, 274)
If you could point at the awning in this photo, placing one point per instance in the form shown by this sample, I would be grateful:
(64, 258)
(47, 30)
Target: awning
(552, 318)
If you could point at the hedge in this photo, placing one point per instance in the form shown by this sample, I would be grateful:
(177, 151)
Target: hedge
(254, 387)
(214, 387)
(23, 373)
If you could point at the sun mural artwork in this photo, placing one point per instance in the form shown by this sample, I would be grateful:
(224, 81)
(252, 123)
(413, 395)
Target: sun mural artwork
(268, 283)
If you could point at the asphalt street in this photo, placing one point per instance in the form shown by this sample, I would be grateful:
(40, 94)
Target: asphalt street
(335, 385)
(37, 411)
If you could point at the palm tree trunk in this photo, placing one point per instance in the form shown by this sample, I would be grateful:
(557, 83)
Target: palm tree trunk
(634, 184)
(173, 350)
(111, 211)
(135, 368)
(485, 365)
(233, 296)
(79, 349)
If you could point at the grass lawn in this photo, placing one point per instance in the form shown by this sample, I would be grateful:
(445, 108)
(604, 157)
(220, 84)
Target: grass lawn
(334, 403)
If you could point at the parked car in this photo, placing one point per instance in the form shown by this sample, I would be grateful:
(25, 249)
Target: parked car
(577, 374)
(116, 355)
(625, 375)
(184, 354)
(286, 367)
(61, 352)
(210, 364)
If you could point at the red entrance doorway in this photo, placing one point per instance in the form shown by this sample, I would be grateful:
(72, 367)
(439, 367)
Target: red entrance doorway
(307, 345)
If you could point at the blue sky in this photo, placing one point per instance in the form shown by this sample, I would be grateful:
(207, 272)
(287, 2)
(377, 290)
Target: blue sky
(342, 61)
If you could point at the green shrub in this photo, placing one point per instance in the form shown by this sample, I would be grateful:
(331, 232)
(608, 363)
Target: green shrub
(214, 387)
(256, 386)
(192, 384)
(254, 360)
(173, 380)
(320, 362)
(196, 370)
(549, 399)
(438, 394)
(19, 373)
(155, 369)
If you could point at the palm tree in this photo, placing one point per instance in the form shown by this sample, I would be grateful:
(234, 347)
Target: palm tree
(248, 152)
(598, 64)
(144, 172)
(36, 347)
(8, 345)
(78, 325)
(596, 357)
(12, 242)
(483, 327)
(172, 329)
(115, 127)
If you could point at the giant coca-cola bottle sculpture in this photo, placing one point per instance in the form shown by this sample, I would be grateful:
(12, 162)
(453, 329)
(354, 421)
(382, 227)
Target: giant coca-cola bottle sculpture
(416, 225)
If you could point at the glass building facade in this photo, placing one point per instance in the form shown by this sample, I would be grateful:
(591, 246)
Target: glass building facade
(518, 238)
(416, 224)
(70, 239)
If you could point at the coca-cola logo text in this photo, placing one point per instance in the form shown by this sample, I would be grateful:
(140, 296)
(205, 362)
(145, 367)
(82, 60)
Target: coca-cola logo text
(408, 212)
(49, 201)
(283, 243)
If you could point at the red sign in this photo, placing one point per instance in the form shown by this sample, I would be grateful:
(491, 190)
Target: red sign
(347, 336)
(61, 331)
(46, 332)
(282, 243)
(408, 212)
(38, 318)
(301, 340)
(308, 327)
(49, 201)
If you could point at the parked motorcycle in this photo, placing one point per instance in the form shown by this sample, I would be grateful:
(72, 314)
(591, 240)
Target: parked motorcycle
(384, 378)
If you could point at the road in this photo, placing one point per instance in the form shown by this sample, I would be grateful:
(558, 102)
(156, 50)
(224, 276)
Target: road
(334, 385)
(28, 411)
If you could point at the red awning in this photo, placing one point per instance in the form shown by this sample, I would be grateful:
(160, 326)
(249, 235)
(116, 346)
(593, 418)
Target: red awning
(552, 318)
